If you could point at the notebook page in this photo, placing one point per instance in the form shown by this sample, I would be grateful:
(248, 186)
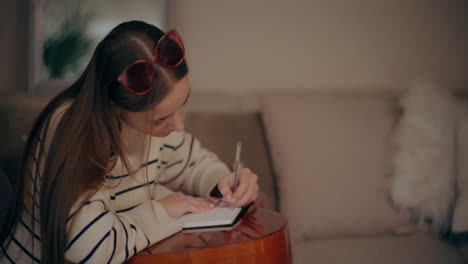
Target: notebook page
(219, 216)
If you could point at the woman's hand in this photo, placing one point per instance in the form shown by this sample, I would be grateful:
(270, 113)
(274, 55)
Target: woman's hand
(246, 192)
(178, 204)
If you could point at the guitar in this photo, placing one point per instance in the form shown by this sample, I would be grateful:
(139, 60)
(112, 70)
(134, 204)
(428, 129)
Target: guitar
(260, 236)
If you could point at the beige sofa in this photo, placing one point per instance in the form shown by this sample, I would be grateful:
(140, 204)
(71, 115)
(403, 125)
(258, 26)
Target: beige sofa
(322, 158)
(331, 153)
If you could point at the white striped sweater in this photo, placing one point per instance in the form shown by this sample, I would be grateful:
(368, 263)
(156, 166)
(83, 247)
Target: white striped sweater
(118, 221)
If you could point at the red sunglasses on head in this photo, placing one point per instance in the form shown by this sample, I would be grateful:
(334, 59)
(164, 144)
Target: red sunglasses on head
(140, 76)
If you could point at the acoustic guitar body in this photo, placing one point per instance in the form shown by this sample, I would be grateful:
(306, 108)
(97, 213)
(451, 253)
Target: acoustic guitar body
(261, 236)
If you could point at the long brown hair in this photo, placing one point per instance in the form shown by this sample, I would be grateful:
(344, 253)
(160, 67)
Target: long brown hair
(87, 140)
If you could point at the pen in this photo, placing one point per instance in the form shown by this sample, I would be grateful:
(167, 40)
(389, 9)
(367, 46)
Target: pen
(236, 166)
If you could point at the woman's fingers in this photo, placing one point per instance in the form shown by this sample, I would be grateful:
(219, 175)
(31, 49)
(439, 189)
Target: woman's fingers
(244, 183)
(178, 204)
(248, 197)
(199, 205)
(205, 201)
(246, 178)
(225, 186)
(248, 188)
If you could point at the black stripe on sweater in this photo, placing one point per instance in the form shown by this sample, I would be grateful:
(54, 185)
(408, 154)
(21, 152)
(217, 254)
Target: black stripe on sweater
(108, 177)
(84, 229)
(115, 246)
(29, 229)
(41, 146)
(29, 213)
(175, 147)
(33, 200)
(185, 166)
(35, 177)
(134, 188)
(150, 162)
(38, 175)
(73, 214)
(95, 248)
(126, 175)
(37, 167)
(147, 240)
(35, 186)
(126, 238)
(25, 250)
(126, 209)
(169, 146)
(173, 164)
(6, 255)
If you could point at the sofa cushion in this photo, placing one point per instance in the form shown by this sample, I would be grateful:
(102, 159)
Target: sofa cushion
(420, 248)
(329, 151)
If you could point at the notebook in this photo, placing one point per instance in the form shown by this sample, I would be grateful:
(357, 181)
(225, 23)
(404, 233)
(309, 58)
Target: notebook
(218, 217)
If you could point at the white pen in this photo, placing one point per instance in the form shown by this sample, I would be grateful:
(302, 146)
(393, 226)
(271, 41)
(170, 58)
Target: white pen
(236, 166)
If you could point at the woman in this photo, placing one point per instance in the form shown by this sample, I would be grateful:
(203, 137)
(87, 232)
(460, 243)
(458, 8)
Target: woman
(104, 157)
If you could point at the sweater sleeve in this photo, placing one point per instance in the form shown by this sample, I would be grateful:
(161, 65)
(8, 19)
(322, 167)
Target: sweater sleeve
(190, 167)
(96, 234)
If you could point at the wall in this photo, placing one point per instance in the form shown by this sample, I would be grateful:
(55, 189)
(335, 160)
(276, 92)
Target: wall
(13, 44)
(242, 46)
(101, 21)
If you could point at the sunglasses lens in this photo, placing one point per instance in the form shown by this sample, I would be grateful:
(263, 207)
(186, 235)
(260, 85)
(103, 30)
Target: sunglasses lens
(170, 50)
(139, 77)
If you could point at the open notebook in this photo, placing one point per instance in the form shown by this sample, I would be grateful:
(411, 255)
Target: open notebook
(218, 217)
